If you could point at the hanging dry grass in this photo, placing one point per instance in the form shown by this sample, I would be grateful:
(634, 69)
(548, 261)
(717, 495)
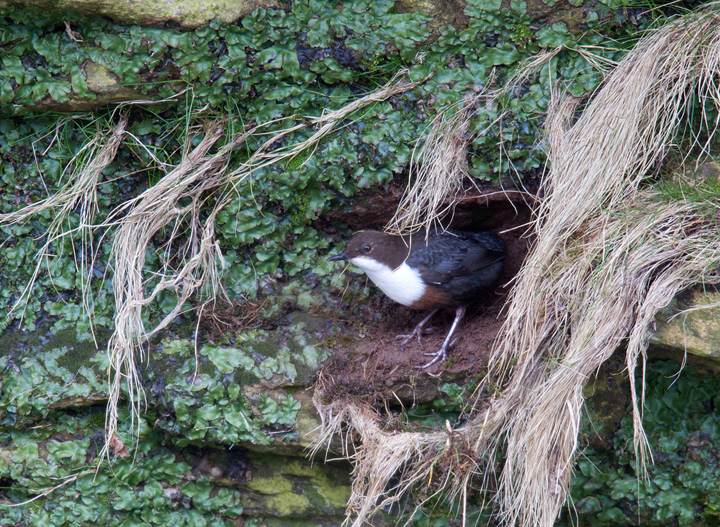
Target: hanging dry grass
(157, 209)
(79, 193)
(607, 285)
(607, 257)
(379, 456)
(438, 165)
(390, 465)
(438, 168)
(609, 254)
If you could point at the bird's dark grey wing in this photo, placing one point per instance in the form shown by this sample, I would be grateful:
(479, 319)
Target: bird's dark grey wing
(455, 255)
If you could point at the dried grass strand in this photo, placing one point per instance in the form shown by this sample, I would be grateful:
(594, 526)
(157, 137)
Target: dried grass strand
(78, 194)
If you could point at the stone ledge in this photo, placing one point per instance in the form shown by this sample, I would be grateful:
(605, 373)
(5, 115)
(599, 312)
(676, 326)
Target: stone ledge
(697, 332)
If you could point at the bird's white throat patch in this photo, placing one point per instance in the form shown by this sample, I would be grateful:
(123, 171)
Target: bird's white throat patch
(404, 284)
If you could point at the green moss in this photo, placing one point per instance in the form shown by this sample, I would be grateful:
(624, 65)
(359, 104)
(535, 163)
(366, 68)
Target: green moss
(97, 419)
(277, 484)
(40, 383)
(296, 162)
(325, 490)
(289, 504)
(522, 35)
(230, 394)
(78, 354)
(333, 488)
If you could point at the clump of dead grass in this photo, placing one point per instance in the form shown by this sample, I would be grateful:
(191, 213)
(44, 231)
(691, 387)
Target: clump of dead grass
(607, 285)
(607, 257)
(610, 252)
(437, 171)
(438, 167)
(421, 461)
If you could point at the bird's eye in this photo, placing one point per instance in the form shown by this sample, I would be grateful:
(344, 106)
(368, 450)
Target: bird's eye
(366, 248)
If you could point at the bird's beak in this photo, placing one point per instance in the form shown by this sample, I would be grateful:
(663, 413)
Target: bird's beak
(338, 257)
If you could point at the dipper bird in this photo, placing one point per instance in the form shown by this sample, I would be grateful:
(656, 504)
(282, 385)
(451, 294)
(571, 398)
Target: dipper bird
(448, 269)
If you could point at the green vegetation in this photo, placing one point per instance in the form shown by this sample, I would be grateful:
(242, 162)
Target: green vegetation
(271, 67)
(188, 461)
(149, 488)
(223, 398)
(682, 422)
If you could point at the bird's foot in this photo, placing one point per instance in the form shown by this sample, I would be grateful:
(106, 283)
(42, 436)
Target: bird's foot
(419, 331)
(439, 355)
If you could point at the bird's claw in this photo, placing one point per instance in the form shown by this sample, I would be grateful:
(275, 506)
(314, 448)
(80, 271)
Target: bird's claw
(407, 339)
(439, 355)
(417, 331)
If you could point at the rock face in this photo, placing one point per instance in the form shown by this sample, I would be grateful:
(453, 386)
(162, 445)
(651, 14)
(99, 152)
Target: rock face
(199, 12)
(187, 14)
(223, 438)
(685, 326)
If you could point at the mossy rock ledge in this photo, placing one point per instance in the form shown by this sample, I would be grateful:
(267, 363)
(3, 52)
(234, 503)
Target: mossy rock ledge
(187, 14)
(224, 435)
(154, 50)
(684, 327)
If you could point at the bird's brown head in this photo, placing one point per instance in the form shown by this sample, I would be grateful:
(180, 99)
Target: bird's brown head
(386, 248)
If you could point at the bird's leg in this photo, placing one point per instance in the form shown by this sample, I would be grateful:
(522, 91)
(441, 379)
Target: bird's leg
(440, 354)
(417, 331)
